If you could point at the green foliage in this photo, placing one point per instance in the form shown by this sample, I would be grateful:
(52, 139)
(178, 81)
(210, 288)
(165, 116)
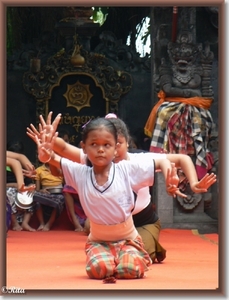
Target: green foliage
(100, 14)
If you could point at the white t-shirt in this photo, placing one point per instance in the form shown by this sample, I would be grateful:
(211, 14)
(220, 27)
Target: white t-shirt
(113, 202)
(143, 196)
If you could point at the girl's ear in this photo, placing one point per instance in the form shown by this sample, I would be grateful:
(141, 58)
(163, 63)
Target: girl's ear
(82, 145)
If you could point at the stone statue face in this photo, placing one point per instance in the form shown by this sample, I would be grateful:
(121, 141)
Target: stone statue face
(183, 55)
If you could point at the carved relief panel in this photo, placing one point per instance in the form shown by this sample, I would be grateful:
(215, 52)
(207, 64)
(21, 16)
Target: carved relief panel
(78, 89)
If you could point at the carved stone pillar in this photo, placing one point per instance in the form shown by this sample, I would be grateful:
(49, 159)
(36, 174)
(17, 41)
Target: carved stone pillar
(182, 69)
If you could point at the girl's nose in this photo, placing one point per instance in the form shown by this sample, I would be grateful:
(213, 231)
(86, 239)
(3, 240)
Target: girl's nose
(100, 149)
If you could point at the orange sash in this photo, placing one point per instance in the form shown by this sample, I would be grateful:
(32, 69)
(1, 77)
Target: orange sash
(200, 102)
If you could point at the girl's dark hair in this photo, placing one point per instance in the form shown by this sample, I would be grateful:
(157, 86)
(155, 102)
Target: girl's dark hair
(121, 128)
(98, 123)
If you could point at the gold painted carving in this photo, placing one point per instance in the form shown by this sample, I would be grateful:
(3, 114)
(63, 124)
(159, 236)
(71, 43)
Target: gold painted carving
(78, 95)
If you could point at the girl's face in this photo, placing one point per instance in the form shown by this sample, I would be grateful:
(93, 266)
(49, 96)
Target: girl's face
(121, 149)
(100, 147)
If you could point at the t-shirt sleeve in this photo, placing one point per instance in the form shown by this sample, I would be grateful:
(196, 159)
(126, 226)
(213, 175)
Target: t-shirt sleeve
(141, 173)
(73, 172)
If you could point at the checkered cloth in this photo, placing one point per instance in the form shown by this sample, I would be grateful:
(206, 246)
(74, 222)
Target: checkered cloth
(124, 259)
(182, 128)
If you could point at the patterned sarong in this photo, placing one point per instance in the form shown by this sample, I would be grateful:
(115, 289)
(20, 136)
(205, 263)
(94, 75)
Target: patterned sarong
(126, 259)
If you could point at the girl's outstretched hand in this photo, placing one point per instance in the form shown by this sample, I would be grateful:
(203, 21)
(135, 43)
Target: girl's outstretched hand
(172, 182)
(203, 185)
(174, 191)
(172, 177)
(49, 126)
(32, 132)
(45, 145)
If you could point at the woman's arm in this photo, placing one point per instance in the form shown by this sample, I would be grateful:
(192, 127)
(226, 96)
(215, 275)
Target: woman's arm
(25, 162)
(16, 167)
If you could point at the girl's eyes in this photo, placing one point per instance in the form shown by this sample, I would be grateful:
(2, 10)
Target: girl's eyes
(105, 145)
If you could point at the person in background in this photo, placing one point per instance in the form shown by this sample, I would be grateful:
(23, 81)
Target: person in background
(114, 249)
(15, 185)
(75, 211)
(49, 196)
(145, 218)
(14, 167)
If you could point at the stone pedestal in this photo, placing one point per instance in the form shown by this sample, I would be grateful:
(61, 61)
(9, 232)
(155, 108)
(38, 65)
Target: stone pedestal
(172, 217)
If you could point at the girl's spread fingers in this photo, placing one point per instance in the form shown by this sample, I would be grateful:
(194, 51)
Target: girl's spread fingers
(49, 118)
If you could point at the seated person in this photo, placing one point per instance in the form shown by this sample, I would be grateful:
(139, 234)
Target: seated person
(74, 209)
(15, 186)
(51, 201)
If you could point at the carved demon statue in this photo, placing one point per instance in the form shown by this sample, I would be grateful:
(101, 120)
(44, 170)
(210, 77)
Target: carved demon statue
(181, 122)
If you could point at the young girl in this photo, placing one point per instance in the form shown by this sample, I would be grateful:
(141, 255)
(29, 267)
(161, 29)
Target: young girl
(145, 219)
(114, 247)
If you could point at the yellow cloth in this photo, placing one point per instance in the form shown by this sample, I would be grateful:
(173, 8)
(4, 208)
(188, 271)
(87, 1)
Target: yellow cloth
(46, 178)
(200, 102)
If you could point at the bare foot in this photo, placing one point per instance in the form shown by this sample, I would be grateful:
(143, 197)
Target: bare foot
(46, 228)
(79, 228)
(17, 227)
(27, 227)
(40, 228)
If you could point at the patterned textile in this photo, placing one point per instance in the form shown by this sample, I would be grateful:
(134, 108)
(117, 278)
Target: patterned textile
(182, 128)
(8, 214)
(125, 259)
(11, 194)
(199, 102)
(50, 200)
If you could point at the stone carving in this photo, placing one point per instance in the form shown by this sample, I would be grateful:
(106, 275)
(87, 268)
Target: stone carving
(181, 121)
(122, 55)
(189, 70)
(114, 83)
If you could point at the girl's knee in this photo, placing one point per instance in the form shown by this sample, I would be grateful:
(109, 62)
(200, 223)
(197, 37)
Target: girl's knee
(123, 272)
(99, 270)
(131, 266)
